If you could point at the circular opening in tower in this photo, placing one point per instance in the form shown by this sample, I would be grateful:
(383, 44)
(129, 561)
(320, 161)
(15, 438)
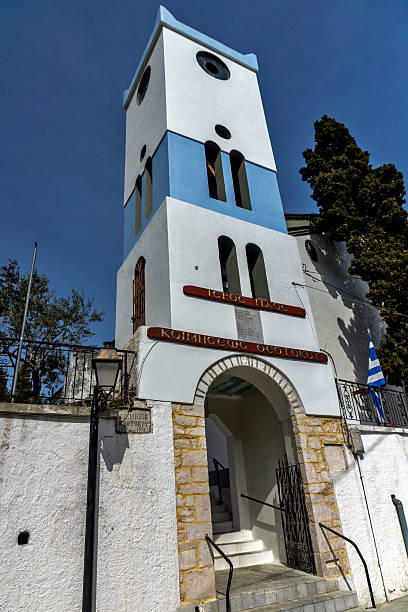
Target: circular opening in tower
(222, 131)
(143, 85)
(142, 152)
(213, 66)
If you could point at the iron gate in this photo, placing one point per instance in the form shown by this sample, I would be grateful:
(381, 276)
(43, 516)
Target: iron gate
(298, 543)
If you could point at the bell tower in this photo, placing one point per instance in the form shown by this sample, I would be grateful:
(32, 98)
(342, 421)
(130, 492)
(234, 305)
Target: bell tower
(206, 249)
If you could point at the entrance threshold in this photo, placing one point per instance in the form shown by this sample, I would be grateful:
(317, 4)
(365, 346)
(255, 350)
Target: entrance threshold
(281, 588)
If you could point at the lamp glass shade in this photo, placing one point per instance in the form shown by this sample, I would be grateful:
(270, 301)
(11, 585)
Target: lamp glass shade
(106, 371)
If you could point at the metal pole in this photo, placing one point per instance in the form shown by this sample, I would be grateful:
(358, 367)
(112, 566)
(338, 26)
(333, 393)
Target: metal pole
(20, 344)
(401, 516)
(90, 528)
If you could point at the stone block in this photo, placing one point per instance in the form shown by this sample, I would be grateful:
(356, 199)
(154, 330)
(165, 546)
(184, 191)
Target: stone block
(210, 606)
(200, 474)
(187, 559)
(200, 584)
(236, 603)
(319, 607)
(197, 532)
(183, 475)
(248, 600)
(270, 597)
(204, 554)
(182, 442)
(193, 410)
(186, 512)
(194, 458)
(180, 501)
(330, 605)
(195, 431)
(194, 489)
(322, 513)
(182, 419)
(203, 509)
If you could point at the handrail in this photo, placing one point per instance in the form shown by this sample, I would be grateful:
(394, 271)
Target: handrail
(217, 474)
(264, 503)
(359, 554)
(224, 556)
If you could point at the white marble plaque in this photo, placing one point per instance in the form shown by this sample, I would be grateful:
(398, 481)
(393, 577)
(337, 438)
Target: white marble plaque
(134, 421)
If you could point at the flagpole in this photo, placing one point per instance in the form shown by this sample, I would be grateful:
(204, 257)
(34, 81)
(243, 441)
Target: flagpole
(20, 344)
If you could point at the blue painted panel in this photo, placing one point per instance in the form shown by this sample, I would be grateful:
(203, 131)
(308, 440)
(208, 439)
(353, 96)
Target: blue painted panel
(188, 182)
(179, 171)
(161, 189)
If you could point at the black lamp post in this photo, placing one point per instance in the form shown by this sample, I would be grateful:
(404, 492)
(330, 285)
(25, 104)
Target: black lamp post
(106, 367)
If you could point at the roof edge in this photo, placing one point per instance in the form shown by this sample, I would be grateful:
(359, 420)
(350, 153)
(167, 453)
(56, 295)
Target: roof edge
(165, 18)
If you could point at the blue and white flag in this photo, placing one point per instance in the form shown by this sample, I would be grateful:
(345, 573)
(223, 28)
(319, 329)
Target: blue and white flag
(375, 373)
(375, 379)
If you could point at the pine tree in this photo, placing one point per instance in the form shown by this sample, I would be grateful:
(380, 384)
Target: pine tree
(364, 206)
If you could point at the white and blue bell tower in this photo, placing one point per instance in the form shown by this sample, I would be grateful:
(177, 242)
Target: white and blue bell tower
(202, 208)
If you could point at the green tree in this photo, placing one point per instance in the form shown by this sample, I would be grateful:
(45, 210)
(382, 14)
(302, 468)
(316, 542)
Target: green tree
(49, 319)
(364, 206)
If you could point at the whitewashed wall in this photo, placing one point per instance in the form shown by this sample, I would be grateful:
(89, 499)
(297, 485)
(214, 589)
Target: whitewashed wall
(384, 469)
(340, 308)
(43, 475)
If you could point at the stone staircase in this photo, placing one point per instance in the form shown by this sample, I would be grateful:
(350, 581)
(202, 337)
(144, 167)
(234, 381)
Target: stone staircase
(242, 549)
(277, 588)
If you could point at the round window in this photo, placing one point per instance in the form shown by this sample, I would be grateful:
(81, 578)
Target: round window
(143, 85)
(222, 131)
(311, 250)
(213, 65)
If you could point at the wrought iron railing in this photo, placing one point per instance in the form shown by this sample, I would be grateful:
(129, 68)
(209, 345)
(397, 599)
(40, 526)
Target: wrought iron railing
(57, 373)
(222, 477)
(231, 569)
(372, 405)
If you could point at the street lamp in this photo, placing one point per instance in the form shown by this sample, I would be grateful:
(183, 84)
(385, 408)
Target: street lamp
(106, 367)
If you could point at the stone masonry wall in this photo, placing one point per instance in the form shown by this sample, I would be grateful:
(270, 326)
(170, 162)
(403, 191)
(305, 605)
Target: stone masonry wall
(197, 578)
(313, 435)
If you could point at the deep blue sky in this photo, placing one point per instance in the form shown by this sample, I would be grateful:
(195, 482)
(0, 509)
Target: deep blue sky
(64, 66)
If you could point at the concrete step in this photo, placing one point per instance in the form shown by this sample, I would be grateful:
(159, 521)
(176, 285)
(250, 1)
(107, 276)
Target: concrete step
(221, 517)
(222, 527)
(244, 559)
(246, 546)
(233, 536)
(336, 601)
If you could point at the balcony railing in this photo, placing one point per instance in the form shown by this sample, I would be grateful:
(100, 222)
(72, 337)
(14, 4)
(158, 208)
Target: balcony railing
(56, 373)
(373, 405)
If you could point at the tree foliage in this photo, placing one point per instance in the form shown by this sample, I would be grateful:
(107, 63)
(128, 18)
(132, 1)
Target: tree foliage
(364, 206)
(50, 319)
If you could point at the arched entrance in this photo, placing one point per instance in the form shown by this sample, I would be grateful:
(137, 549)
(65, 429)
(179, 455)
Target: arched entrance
(256, 491)
(272, 424)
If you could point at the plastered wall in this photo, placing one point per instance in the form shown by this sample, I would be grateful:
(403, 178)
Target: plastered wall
(43, 475)
(374, 525)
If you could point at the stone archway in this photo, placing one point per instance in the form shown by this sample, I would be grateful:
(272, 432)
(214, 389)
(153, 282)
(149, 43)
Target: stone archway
(312, 435)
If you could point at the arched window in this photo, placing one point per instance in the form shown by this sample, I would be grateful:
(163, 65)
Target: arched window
(215, 174)
(138, 205)
(148, 188)
(138, 317)
(240, 181)
(257, 273)
(229, 265)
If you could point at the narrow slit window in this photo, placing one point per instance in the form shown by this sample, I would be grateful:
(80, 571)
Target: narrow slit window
(148, 188)
(229, 265)
(138, 205)
(240, 181)
(139, 291)
(215, 174)
(257, 272)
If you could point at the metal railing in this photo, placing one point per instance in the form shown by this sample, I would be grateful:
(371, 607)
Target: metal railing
(340, 535)
(225, 477)
(372, 405)
(57, 373)
(264, 503)
(231, 569)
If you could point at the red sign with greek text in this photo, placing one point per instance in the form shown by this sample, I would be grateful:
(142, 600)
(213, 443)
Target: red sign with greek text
(241, 300)
(215, 342)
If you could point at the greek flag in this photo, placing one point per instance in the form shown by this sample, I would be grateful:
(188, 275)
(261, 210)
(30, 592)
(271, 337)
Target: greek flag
(375, 378)
(375, 374)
